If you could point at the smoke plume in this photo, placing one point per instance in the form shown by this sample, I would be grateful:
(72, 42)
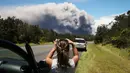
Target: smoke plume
(61, 17)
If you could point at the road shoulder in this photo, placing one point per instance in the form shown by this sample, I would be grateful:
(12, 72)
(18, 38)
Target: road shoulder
(100, 59)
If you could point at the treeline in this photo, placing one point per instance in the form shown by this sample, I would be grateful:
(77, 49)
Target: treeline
(50, 35)
(118, 35)
(17, 31)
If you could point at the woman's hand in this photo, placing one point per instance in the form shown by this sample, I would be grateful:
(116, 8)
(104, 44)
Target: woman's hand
(55, 42)
(71, 42)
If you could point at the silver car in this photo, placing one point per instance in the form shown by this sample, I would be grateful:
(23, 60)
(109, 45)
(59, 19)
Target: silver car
(80, 44)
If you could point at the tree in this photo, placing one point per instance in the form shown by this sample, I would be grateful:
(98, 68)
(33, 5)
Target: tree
(118, 34)
(100, 34)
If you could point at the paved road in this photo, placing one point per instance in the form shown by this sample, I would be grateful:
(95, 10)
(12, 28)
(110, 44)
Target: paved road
(41, 51)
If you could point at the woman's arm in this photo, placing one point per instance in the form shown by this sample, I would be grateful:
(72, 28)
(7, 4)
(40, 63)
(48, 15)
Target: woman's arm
(76, 54)
(49, 56)
(75, 51)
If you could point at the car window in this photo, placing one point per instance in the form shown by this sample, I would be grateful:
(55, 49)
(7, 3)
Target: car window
(80, 41)
(5, 53)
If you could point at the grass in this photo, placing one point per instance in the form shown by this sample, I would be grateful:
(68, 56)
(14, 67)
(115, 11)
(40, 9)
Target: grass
(104, 59)
(42, 43)
(23, 44)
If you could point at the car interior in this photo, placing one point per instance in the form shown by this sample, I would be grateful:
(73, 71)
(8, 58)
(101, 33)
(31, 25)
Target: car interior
(13, 59)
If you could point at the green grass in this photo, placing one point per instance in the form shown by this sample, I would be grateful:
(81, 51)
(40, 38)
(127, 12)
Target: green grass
(42, 43)
(23, 44)
(104, 59)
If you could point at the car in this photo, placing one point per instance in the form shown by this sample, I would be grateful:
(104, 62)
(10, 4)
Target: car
(80, 44)
(14, 59)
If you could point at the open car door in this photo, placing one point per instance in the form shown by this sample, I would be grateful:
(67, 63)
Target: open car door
(14, 59)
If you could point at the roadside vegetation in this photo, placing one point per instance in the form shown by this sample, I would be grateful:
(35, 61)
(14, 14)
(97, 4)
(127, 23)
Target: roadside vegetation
(23, 44)
(118, 35)
(111, 51)
(104, 59)
(19, 32)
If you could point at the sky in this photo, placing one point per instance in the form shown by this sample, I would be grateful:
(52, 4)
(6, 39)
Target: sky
(102, 11)
(97, 8)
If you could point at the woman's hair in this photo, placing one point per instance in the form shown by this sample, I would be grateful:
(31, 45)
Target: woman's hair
(62, 48)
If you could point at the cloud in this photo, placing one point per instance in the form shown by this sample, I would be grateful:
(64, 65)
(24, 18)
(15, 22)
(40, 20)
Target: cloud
(103, 20)
(77, 0)
(61, 17)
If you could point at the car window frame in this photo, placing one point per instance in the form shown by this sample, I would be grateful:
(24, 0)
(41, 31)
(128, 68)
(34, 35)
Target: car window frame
(14, 48)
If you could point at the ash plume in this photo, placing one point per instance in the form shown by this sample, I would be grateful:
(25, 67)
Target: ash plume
(61, 17)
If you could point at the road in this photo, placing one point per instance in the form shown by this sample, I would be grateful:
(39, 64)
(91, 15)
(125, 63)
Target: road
(41, 51)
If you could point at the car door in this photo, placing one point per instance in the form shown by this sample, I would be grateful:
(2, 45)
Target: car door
(13, 59)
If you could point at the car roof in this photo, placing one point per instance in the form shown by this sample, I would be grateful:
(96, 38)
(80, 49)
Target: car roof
(79, 39)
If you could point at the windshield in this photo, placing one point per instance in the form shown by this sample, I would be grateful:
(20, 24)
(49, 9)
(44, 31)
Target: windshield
(5, 53)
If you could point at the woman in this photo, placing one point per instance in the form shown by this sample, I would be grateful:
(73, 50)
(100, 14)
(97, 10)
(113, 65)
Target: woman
(63, 64)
